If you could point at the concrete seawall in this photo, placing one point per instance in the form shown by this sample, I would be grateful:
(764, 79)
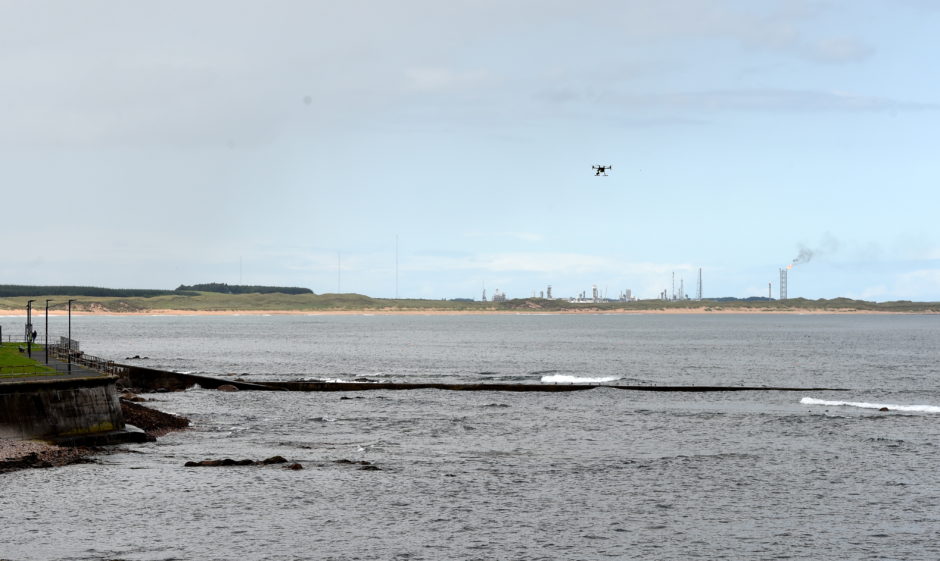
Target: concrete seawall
(151, 379)
(57, 409)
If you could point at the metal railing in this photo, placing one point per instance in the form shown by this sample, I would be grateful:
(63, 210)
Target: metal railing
(61, 353)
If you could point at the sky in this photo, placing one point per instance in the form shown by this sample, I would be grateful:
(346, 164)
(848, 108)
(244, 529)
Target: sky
(427, 149)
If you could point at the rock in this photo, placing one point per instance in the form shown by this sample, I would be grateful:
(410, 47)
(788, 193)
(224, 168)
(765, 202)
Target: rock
(351, 462)
(884, 409)
(370, 468)
(274, 460)
(153, 422)
(295, 466)
(218, 463)
(227, 388)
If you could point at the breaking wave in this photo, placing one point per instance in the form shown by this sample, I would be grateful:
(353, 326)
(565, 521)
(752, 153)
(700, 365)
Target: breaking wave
(889, 406)
(565, 379)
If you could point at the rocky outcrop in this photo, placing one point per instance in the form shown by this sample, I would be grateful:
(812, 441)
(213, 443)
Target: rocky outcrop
(154, 423)
(230, 462)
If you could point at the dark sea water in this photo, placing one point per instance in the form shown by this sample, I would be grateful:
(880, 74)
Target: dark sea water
(597, 474)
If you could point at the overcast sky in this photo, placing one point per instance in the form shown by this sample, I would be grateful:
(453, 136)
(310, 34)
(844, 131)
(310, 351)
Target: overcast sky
(430, 149)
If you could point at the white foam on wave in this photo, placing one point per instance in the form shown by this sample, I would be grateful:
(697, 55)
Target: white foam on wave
(565, 379)
(864, 405)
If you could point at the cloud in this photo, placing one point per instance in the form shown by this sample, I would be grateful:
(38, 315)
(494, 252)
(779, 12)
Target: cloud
(548, 263)
(838, 50)
(441, 79)
(522, 236)
(750, 100)
(919, 285)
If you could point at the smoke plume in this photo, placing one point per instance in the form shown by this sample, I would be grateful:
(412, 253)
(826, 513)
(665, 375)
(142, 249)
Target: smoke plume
(804, 256)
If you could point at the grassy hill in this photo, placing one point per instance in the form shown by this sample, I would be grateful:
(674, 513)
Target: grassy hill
(194, 301)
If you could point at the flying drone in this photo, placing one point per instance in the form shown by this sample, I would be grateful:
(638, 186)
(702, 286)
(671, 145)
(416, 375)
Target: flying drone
(601, 170)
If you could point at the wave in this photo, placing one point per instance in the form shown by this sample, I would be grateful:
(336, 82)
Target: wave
(864, 405)
(565, 379)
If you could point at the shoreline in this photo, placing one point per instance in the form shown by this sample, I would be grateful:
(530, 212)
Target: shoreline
(17, 454)
(433, 312)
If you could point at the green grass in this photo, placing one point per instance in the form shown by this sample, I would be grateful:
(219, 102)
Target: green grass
(14, 363)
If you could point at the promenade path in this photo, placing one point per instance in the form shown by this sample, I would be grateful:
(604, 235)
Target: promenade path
(62, 371)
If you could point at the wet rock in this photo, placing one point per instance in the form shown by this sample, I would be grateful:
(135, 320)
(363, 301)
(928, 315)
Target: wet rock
(154, 423)
(884, 409)
(204, 463)
(295, 466)
(351, 462)
(274, 460)
(227, 388)
(370, 468)
(220, 463)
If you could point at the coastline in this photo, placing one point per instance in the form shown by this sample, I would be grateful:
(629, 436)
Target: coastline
(433, 312)
(16, 454)
(24, 453)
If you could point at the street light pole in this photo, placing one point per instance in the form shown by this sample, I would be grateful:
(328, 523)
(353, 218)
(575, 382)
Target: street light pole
(47, 331)
(29, 328)
(70, 336)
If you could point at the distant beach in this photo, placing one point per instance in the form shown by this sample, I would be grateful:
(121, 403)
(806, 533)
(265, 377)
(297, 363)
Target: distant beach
(429, 312)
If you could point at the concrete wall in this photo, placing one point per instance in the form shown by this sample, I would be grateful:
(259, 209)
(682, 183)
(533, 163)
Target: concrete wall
(151, 379)
(57, 408)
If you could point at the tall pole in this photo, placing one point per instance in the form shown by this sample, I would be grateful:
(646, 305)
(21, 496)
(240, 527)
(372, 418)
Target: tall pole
(47, 331)
(70, 336)
(29, 328)
(396, 266)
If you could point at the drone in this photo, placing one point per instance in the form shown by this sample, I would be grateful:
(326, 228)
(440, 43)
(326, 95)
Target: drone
(601, 170)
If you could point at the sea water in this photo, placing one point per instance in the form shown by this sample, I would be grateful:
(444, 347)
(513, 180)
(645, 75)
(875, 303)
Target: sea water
(596, 474)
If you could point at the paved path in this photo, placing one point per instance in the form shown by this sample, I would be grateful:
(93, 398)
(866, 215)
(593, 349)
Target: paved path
(63, 371)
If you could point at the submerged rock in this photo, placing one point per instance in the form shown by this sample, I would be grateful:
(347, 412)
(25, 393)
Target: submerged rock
(352, 462)
(227, 388)
(220, 463)
(295, 466)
